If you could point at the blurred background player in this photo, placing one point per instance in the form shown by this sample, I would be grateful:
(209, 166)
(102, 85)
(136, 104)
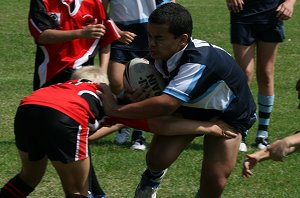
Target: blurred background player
(275, 151)
(68, 35)
(131, 18)
(256, 29)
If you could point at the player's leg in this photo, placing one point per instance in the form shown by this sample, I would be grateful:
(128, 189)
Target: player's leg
(164, 150)
(115, 73)
(219, 158)
(25, 182)
(66, 143)
(32, 171)
(244, 56)
(266, 55)
(115, 76)
(74, 176)
(31, 154)
(243, 39)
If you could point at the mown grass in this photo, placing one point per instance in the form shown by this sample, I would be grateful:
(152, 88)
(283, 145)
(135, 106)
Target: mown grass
(118, 167)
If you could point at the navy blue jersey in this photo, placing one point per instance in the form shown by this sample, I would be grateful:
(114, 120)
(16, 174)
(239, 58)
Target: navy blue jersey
(257, 12)
(211, 83)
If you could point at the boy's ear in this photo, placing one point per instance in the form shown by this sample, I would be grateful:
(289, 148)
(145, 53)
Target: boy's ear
(183, 40)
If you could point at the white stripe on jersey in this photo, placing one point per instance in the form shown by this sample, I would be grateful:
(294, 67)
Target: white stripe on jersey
(217, 97)
(42, 70)
(184, 82)
(78, 63)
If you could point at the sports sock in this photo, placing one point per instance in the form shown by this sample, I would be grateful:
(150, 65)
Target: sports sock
(153, 174)
(265, 105)
(15, 188)
(197, 194)
(94, 185)
(136, 134)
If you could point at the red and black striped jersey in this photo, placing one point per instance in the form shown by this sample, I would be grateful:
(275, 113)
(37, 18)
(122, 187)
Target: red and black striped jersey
(58, 14)
(75, 99)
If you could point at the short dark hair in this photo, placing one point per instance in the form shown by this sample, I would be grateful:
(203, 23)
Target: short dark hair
(176, 16)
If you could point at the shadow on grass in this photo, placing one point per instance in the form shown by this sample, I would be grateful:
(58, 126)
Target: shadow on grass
(7, 143)
(106, 143)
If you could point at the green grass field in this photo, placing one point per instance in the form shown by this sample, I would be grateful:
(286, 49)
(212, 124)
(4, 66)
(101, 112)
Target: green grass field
(118, 167)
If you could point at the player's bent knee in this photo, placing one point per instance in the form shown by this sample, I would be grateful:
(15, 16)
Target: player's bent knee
(75, 196)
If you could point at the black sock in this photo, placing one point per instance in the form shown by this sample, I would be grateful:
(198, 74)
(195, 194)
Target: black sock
(94, 185)
(153, 174)
(15, 188)
(137, 134)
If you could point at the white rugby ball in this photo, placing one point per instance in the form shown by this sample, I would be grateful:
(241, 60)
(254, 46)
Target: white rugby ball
(139, 72)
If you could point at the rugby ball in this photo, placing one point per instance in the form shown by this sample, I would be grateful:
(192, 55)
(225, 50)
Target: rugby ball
(139, 72)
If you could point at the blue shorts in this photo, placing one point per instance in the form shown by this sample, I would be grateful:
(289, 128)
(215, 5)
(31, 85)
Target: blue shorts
(247, 34)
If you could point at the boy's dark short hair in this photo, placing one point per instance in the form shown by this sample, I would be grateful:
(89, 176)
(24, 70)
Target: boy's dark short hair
(176, 16)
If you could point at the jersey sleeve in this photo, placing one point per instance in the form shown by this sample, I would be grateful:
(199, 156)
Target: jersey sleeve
(111, 34)
(38, 19)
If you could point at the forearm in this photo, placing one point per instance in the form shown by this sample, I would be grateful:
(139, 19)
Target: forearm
(104, 58)
(148, 108)
(261, 155)
(293, 142)
(52, 36)
(171, 125)
(104, 131)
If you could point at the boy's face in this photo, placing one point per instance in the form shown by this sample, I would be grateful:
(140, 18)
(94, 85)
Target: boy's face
(162, 44)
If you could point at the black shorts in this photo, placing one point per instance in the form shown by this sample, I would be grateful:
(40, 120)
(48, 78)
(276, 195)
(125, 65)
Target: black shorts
(247, 34)
(42, 131)
(124, 56)
(61, 77)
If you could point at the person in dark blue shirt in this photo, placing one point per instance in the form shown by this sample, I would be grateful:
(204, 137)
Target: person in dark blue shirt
(203, 82)
(256, 29)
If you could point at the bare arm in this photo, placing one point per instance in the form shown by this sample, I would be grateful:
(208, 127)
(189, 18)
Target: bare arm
(283, 147)
(104, 131)
(275, 151)
(252, 159)
(148, 108)
(104, 56)
(51, 36)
